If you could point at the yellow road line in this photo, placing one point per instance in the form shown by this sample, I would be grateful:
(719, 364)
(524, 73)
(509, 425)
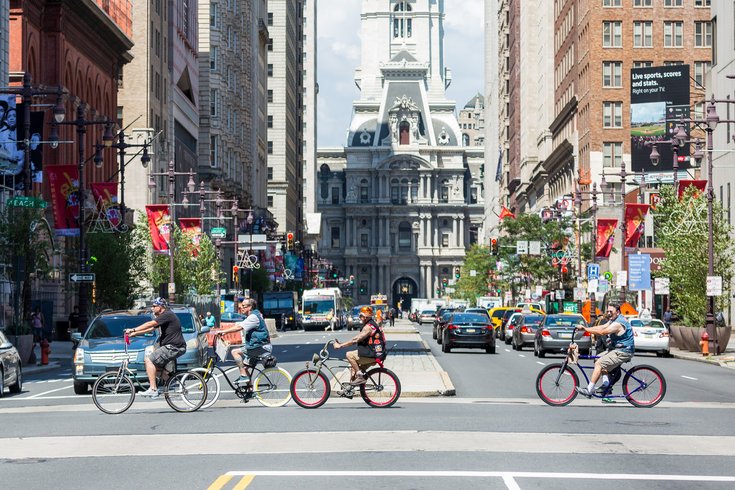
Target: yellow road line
(220, 482)
(244, 482)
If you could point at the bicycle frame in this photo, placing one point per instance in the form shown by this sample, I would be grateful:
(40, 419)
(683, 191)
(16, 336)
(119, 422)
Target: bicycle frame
(240, 391)
(133, 375)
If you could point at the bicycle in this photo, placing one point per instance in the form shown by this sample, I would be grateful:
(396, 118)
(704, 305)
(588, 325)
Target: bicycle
(556, 384)
(114, 392)
(310, 387)
(268, 387)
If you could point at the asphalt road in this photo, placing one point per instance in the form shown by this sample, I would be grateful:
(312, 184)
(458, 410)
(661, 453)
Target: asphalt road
(495, 433)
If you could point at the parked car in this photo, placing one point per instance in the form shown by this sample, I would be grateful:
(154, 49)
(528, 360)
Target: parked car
(555, 333)
(525, 331)
(468, 330)
(651, 336)
(11, 374)
(102, 347)
(504, 322)
(427, 316)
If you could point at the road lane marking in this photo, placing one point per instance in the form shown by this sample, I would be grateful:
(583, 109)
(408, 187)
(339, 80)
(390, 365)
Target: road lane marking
(521, 355)
(46, 392)
(539, 362)
(507, 350)
(244, 482)
(220, 482)
(688, 377)
(510, 482)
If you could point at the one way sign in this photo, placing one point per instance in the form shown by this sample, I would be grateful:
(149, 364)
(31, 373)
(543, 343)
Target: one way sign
(79, 277)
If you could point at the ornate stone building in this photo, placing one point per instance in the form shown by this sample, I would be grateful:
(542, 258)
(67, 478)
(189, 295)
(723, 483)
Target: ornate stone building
(402, 201)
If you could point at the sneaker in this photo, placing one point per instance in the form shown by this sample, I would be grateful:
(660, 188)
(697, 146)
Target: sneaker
(242, 380)
(359, 380)
(584, 392)
(608, 400)
(151, 393)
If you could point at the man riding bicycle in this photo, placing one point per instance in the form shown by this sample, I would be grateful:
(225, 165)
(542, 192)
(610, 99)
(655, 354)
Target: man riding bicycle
(171, 343)
(623, 348)
(370, 346)
(257, 340)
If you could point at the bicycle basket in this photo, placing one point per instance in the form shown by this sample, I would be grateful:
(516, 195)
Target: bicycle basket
(270, 361)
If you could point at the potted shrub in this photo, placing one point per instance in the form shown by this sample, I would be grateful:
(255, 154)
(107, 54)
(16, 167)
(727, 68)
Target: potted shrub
(22, 338)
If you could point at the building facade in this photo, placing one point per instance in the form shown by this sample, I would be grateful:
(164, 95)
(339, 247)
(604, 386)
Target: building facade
(4, 40)
(402, 201)
(311, 91)
(286, 113)
(471, 121)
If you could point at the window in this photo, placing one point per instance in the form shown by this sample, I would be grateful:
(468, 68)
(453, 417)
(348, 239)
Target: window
(335, 237)
(270, 121)
(270, 44)
(673, 34)
(612, 34)
(643, 3)
(642, 34)
(673, 3)
(270, 147)
(270, 173)
(364, 240)
(612, 154)
(213, 102)
(673, 63)
(702, 3)
(270, 201)
(703, 34)
(444, 191)
(335, 195)
(213, 15)
(700, 70)
(642, 64)
(270, 69)
(270, 95)
(270, 18)
(404, 236)
(612, 73)
(213, 151)
(213, 59)
(445, 239)
(612, 114)
(364, 191)
(401, 21)
(614, 192)
(612, 3)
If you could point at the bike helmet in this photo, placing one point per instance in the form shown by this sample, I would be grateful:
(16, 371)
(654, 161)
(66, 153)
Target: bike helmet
(160, 302)
(366, 311)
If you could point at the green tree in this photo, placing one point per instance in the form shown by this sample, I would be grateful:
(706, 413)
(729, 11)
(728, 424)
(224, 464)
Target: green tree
(681, 230)
(118, 261)
(479, 259)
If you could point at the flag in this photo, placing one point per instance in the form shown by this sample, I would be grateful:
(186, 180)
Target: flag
(605, 235)
(499, 171)
(701, 185)
(64, 184)
(635, 215)
(105, 195)
(505, 213)
(159, 223)
(192, 229)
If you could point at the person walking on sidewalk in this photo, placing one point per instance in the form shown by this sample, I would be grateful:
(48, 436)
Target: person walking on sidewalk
(209, 320)
(392, 317)
(257, 341)
(331, 320)
(370, 347)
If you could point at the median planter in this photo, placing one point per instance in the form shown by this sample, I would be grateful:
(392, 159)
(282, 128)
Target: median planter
(24, 346)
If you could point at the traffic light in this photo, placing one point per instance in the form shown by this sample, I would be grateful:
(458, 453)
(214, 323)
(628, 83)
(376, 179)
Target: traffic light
(335, 274)
(289, 241)
(352, 280)
(445, 282)
(235, 275)
(494, 246)
(438, 291)
(363, 290)
(456, 272)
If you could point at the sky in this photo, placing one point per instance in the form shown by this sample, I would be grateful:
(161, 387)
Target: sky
(338, 56)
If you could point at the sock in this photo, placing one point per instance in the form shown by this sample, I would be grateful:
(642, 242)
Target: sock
(590, 386)
(605, 380)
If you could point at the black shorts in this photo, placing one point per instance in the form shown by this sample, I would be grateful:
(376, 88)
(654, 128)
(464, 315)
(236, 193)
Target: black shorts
(164, 356)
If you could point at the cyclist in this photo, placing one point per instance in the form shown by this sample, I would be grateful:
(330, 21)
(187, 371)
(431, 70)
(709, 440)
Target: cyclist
(621, 341)
(170, 344)
(257, 340)
(370, 346)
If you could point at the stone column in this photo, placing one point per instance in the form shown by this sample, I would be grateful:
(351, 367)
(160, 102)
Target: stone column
(435, 222)
(455, 230)
(462, 231)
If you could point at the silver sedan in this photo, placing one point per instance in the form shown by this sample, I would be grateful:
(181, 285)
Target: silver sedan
(10, 369)
(555, 334)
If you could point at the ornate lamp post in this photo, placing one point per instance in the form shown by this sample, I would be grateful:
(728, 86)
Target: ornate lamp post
(593, 209)
(712, 120)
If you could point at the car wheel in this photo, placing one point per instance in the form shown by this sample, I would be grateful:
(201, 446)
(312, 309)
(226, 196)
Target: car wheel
(519, 347)
(490, 349)
(508, 341)
(666, 353)
(2, 383)
(81, 388)
(446, 347)
(535, 350)
(541, 353)
(18, 386)
(433, 333)
(439, 338)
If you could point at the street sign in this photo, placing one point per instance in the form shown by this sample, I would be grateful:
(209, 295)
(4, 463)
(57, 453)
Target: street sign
(473, 273)
(603, 286)
(218, 232)
(522, 247)
(560, 294)
(661, 285)
(579, 294)
(714, 286)
(81, 277)
(449, 290)
(27, 202)
(639, 272)
(622, 279)
(593, 271)
(570, 307)
(608, 276)
(592, 285)
(534, 247)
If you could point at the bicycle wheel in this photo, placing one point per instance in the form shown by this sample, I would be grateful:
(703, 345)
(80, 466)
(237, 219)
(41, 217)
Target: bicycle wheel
(557, 393)
(186, 392)
(113, 393)
(213, 385)
(310, 389)
(382, 388)
(644, 386)
(272, 387)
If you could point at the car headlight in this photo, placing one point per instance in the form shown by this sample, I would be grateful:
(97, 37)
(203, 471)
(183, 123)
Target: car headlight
(79, 356)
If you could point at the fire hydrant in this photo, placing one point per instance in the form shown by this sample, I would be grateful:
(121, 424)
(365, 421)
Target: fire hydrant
(45, 352)
(704, 343)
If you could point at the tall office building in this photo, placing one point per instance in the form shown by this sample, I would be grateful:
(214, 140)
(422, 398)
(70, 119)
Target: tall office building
(311, 90)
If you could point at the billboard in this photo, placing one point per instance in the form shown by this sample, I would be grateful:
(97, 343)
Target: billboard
(659, 99)
(12, 156)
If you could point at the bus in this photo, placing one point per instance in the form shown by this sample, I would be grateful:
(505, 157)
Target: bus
(316, 305)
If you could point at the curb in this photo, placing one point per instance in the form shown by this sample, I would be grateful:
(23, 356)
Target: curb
(703, 359)
(449, 389)
(35, 369)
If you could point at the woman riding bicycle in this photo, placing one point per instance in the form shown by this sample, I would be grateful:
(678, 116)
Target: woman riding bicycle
(622, 340)
(370, 346)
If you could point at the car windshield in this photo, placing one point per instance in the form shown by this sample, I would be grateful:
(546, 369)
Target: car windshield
(647, 323)
(427, 312)
(498, 313)
(532, 320)
(355, 311)
(110, 326)
(314, 306)
(468, 318)
(562, 321)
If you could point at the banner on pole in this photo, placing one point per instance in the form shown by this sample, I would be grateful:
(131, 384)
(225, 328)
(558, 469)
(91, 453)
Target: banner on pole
(605, 234)
(159, 224)
(192, 230)
(64, 184)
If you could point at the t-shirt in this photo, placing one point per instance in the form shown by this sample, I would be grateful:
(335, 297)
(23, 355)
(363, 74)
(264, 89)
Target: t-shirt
(170, 329)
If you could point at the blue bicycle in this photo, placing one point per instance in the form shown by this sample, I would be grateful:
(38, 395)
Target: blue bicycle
(556, 384)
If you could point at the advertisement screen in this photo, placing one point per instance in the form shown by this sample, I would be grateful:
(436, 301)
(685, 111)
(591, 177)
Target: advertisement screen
(659, 100)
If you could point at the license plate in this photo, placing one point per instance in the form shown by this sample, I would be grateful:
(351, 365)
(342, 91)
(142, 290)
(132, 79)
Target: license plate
(565, 336)
(470, 330)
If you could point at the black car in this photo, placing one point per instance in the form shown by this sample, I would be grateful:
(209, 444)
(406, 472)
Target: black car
(441, 322)
(468, 330)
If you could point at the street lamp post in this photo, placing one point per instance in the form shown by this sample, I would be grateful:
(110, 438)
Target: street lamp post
(172, 174)
(712, 120)
(578, 202)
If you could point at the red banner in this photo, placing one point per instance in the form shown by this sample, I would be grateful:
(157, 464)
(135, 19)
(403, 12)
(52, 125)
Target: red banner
(105, 196)
(506, 213)
(159, 223)
(64, 184)
(605, 234)
(635, 215)
(192, 229)
(701, 185)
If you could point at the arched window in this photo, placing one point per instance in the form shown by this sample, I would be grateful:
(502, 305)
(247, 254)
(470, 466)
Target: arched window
(404, 131)
(364, 191)
(404, 236)
(324, 173)
(465, 139)
(401, 20)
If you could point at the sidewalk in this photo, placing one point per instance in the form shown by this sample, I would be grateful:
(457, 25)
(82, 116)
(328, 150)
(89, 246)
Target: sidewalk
(61, 354)
(726, 359)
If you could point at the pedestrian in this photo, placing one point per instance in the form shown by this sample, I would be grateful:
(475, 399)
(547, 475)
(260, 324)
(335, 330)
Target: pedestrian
(210, 321)
(392, 316)
(331, 320)
(667, 319)
(37, 325)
